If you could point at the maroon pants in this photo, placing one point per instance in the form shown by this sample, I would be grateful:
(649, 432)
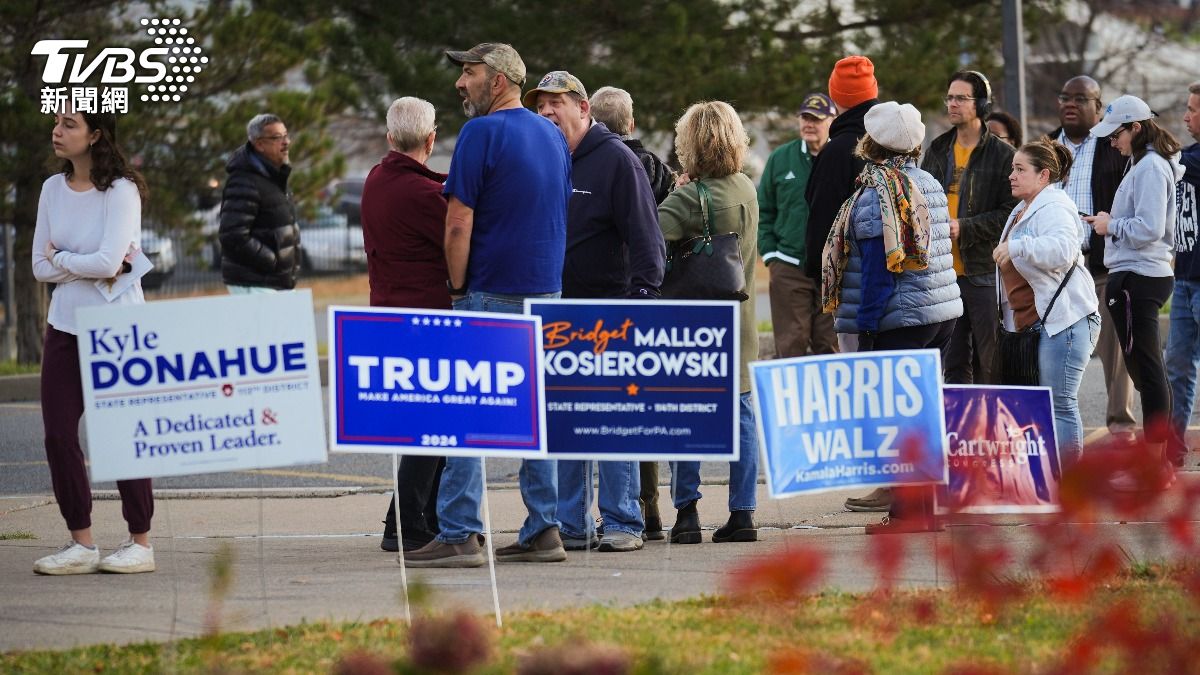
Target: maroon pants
(62, 406)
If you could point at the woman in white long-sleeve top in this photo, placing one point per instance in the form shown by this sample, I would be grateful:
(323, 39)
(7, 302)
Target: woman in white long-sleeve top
(1139, 254)
(1046, 283)
(89, 215)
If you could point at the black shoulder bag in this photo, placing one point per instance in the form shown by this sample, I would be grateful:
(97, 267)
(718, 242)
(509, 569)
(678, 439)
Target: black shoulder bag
(1017, 352)
(708, 267)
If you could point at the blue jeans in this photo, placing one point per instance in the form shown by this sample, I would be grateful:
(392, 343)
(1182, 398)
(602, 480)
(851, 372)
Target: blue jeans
(461, 489)
(743, 474)
(1183, 353)
(1062, 359)
(620, 484)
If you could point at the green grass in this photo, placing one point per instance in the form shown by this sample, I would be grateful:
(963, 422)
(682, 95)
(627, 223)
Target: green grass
(828, 632)
(19, 534)
(14, 368)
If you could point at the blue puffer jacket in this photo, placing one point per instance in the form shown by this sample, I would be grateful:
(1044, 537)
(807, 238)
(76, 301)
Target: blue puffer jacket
(917, 298)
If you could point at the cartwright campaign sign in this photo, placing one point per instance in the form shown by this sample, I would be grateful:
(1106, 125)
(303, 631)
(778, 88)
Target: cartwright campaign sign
(168, 391)
(841, 420)
(1003, 451)
(440, 383)
(638, 380)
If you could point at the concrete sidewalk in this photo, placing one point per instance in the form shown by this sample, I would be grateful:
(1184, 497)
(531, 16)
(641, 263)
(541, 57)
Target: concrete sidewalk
(318, 559)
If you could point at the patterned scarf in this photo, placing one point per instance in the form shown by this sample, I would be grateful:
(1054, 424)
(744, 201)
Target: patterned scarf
(905, 227)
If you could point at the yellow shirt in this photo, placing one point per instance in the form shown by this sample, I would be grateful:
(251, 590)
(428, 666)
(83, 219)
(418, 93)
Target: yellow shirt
(961, 156)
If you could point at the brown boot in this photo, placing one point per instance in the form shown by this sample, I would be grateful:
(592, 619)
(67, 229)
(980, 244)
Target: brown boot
(546, 547)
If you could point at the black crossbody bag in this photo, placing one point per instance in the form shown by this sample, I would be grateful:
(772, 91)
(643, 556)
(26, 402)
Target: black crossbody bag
(1017, 352)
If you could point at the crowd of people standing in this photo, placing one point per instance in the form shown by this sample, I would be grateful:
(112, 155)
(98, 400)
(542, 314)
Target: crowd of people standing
(871, 243)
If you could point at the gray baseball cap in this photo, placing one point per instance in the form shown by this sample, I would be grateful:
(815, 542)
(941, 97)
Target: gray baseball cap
(501, 57)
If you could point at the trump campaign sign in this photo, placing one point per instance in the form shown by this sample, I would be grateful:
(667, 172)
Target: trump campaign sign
(842, 420)
(435, 383)
(1003, 451)
(168, 391)
(638, 380)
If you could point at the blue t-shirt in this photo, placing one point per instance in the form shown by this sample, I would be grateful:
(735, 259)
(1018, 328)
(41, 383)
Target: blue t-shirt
(513, 168)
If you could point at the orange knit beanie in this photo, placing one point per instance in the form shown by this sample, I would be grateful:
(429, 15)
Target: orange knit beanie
(853, 81)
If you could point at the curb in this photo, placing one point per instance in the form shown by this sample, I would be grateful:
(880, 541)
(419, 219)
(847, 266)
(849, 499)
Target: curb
(17, 388)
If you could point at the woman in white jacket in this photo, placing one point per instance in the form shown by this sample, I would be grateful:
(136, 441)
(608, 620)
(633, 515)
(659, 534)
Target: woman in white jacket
(1039, 254)
(1139, 254)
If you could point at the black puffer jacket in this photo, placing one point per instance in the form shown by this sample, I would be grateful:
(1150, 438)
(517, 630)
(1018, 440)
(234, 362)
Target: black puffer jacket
(260, 240)
(662, 179)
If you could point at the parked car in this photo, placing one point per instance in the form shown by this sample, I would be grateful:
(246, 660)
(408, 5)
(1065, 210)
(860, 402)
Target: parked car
(161, 251)
(328, 243)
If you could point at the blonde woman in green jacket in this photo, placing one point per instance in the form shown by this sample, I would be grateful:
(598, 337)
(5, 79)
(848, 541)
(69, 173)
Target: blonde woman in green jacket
(711, 144)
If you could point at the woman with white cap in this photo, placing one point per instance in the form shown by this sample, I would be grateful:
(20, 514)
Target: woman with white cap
(887, 272)
(1138, 254)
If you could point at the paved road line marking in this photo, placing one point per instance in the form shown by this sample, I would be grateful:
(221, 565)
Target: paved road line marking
(340, 477)
(22, 406)
(1096, 435)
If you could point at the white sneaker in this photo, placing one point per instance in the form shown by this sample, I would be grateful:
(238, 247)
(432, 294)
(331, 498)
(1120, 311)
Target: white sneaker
(130, 558)
(73, 558)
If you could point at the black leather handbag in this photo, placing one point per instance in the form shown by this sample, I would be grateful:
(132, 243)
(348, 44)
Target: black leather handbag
(708, 267)
(1017, 352)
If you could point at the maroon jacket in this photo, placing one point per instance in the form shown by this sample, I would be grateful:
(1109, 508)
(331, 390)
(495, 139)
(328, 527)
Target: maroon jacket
(404, 227)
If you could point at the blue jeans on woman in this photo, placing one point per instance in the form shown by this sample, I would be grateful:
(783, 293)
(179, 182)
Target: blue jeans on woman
(743, 474)
(461, 490)
(1062, 359)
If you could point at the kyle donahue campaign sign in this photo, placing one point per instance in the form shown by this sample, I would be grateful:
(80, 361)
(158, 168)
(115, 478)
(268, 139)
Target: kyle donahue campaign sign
(843, 420)
(168, 391)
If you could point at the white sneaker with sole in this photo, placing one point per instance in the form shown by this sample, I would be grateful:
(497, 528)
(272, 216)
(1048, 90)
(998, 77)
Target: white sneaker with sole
(73, 558)
(130, 558)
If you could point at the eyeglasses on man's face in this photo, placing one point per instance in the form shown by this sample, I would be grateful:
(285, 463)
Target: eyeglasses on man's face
(957, 98)
(1077, 99)
(276, 137)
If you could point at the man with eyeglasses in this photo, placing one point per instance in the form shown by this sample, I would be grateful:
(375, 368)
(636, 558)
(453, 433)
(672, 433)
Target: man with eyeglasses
(973, 166)
(1092, 183)
(260, 240)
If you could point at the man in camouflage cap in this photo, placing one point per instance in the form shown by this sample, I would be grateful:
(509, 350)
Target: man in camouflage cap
(614, 250)
(506, 220)
(500, 59)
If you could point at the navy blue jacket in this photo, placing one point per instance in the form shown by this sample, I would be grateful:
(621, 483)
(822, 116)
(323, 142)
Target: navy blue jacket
(1187, 221)
(614, 246)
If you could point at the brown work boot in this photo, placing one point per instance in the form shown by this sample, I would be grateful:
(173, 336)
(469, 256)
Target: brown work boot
(440, 554)
(546, 547)
(879, 500)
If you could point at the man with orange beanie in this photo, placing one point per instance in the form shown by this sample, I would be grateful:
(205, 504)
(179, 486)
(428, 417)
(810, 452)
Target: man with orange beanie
(854, 91)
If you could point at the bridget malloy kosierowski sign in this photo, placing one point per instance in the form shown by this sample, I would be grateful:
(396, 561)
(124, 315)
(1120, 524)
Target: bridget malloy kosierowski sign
(168, 391)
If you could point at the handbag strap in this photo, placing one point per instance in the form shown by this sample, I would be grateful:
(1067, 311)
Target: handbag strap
(1066, 278)
(1061, 286)
(705, 208)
